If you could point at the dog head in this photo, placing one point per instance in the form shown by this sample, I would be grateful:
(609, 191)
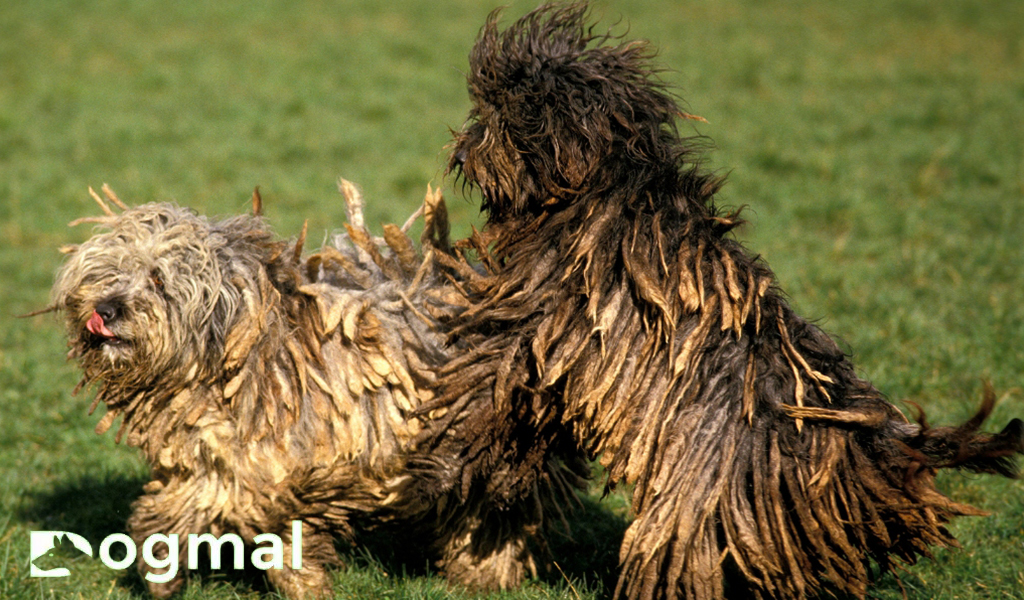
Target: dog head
(561, 112)
(151, 297)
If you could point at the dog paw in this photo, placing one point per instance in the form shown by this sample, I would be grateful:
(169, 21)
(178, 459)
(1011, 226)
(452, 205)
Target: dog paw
(309, 583)
(166, 589)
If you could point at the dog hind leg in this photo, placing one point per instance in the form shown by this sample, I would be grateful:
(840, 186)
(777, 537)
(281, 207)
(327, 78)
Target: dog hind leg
(487, 549)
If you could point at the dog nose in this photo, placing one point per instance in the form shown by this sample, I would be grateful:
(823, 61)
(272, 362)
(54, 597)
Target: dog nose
(108, 311)
(460, 156)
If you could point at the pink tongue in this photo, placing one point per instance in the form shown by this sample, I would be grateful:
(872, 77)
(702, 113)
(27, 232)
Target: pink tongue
(98, 327)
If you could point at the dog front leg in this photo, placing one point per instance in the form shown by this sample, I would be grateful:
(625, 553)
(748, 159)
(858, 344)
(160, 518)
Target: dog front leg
(303, 575)
(160, 523)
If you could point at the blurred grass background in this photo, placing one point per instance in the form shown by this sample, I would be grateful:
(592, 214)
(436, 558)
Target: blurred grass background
(878, 145)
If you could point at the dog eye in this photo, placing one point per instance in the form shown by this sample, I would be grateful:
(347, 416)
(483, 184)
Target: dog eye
(157, 281)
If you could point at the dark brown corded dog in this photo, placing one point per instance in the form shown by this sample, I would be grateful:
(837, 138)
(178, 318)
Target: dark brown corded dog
(615, 310)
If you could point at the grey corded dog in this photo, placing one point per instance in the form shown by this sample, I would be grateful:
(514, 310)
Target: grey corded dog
(264, 387)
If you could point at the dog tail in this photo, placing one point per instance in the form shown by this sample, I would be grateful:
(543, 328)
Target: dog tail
(966, 447)
(357, 259)
(949, 447)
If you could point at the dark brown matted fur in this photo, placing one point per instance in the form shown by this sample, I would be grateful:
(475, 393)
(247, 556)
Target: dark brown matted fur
(614, 309)
(264, 387)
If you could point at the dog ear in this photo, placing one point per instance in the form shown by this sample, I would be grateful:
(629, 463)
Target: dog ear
(576, 151)
(247, 298)
(251, 308)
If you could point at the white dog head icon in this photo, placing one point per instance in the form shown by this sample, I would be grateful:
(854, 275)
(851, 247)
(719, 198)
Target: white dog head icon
(45, 543)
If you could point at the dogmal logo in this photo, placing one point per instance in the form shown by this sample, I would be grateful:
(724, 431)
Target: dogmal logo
(268, 554)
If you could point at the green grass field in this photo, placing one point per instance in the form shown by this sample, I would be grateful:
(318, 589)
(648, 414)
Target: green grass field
(879, 147)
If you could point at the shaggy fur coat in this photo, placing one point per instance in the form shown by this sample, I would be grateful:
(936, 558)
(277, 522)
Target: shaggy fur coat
(614, 311)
